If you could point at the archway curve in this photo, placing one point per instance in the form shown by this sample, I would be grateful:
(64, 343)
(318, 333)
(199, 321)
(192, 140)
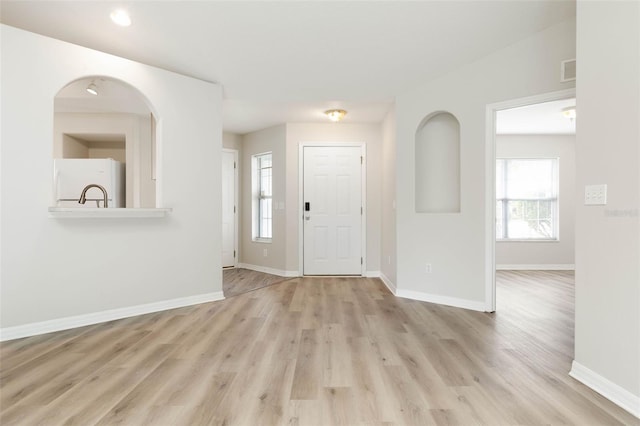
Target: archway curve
(119, 120)
(110, 91)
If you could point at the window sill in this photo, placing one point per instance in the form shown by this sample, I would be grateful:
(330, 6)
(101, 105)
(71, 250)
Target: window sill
(102, 213)
(262, 240)
(528, 241)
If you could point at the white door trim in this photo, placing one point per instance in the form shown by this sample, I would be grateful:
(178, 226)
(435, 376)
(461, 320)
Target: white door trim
(490, 184)
(363, 242)
(235, 203)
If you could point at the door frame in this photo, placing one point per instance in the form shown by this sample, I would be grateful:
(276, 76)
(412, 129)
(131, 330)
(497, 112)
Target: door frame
(490, 182)
(363, 191)
(235, 203)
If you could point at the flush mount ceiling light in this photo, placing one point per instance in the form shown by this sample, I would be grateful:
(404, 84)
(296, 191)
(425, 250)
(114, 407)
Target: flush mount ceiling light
(569, 112)
(335, 115)
(120, 17)
(93, 89)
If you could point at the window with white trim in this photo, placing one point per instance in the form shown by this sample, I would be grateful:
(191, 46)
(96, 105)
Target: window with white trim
(262, 195)
(527, 199)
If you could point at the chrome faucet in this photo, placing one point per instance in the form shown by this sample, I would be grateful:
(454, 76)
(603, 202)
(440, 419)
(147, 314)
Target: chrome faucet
(83, 196)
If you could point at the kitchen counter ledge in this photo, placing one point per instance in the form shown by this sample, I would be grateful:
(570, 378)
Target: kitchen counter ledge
(102, 213)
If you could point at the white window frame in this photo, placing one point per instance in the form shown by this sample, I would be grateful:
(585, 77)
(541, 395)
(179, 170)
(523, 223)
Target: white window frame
(555, 204)
(258, 194)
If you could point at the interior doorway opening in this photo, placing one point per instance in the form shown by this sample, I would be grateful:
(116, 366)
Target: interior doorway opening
(526, 214)
(230, 252)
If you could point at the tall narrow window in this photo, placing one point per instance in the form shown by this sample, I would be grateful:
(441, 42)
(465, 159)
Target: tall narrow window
(262, 194)
(527, 199)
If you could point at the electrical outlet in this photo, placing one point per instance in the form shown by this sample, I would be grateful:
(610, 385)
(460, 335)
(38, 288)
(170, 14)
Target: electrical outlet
(264, 252)
(595, 195)
(427, 268)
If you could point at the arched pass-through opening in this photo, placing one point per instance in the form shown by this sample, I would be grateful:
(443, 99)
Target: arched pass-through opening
(104, 133)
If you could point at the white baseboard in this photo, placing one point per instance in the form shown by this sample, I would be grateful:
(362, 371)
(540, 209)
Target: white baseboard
(442, 300)
(33, 329)
(267, 270)
(390, 284)
(432, 298)
(372, 274)
(606, 388)
(544, 267)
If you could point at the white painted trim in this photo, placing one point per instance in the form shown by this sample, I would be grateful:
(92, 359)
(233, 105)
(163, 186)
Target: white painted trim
(442, 300)
(372, 274)
(613, 392)
(532, 267)
(267, 270)
(490, 187)
(33, 329)
(363, 232)
(490, 210)
(159, 160)
(390, 284)
(236, 198)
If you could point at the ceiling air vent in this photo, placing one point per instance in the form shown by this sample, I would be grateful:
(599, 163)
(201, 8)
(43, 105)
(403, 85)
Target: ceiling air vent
(568, 70)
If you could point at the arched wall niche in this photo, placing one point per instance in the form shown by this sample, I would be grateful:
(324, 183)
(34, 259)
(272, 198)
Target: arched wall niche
(118, 122)
(437, 164)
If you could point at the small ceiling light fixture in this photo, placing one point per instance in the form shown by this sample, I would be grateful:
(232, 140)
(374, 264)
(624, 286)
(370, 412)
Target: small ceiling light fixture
(93, 89)
(569, 112)
(121, 17)
(335, 115)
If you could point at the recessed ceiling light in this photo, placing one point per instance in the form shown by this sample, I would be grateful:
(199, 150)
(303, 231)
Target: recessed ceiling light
(121, 17)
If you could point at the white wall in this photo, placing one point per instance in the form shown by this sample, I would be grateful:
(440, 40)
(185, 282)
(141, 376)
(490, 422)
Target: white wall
(74, 148)
(232, 141)
(267, 140)
(607, 335)
(53, 269)
(371, 135)
(107, 149)
(388, 200)
(454, 244)
(538, 254)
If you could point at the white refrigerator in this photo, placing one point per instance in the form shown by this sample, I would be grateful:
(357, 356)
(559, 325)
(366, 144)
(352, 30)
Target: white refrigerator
(72, 175)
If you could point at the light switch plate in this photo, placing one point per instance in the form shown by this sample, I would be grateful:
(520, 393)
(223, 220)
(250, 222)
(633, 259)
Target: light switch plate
(595, 195)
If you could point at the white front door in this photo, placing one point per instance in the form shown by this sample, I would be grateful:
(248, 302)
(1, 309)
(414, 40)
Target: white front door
(332, 210)
(229, 160)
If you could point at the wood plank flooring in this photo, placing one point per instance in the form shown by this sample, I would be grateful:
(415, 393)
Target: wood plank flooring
(236, 281)
(314, 351)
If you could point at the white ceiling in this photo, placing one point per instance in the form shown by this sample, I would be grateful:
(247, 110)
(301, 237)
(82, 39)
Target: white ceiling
(538, 119)
(288, 61)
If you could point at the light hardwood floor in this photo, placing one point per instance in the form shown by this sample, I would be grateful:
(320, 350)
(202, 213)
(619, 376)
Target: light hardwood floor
(314, 351)
(236, 281)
